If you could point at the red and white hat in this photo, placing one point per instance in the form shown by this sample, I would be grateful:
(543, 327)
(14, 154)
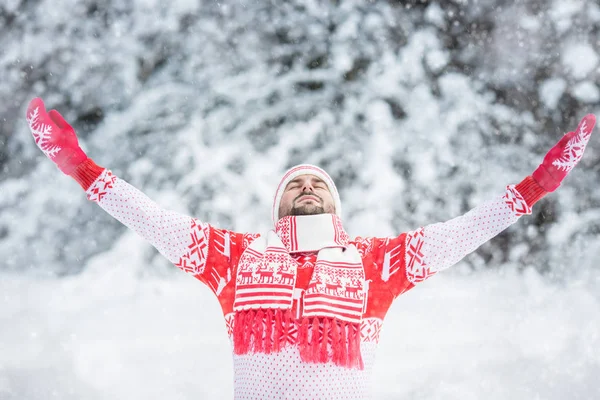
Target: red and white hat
(305, 169)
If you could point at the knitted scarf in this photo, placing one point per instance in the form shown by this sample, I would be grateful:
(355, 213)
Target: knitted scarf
(333, 303)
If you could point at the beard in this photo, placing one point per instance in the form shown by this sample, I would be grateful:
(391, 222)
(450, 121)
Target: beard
(307, 209)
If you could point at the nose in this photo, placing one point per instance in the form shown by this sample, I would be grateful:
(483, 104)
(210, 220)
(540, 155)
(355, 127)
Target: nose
(307, 187)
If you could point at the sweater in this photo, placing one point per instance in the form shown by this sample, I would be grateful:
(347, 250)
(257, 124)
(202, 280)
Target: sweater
(392, 265)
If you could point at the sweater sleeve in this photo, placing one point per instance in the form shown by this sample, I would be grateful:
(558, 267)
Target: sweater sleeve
(435, 247)
(187, 242)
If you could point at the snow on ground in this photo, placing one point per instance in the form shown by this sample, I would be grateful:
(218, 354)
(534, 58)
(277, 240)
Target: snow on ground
(114, 332)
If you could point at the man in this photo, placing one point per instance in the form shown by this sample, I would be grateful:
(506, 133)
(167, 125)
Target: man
(303, 303)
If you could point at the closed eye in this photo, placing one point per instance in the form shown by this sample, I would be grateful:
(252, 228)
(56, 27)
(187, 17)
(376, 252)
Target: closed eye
(292, 185)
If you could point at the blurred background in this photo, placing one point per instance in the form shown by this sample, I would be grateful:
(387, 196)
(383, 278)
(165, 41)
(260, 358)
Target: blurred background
(420, 111)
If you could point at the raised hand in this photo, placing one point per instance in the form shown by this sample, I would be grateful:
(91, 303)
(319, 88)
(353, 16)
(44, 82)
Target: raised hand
(561, 158)
(54, 136)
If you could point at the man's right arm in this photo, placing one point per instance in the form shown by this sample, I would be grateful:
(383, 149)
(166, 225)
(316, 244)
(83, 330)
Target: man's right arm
(185, 241)
(181, 239)
(208, 253)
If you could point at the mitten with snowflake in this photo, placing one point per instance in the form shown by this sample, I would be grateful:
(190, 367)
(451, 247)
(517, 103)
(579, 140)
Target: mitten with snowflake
(58, 141)
(558, 162)
(565, 155)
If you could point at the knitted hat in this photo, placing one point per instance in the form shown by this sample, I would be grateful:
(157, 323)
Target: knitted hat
(305, 169)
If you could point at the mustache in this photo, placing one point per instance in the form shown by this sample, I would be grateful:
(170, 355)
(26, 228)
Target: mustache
(307, 194)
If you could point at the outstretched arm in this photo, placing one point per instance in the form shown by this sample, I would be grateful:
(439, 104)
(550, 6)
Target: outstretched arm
(435, 247)
(183, 240)
(439, 246)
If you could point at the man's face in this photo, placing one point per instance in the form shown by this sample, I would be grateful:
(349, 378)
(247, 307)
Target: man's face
(306, 195)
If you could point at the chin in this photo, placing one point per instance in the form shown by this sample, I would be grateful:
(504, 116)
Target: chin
(307, 210)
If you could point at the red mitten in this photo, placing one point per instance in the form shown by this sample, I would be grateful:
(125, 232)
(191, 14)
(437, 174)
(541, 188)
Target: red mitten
(55, 137)
(561, 159)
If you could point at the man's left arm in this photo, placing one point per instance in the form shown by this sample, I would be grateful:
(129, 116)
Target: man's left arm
(435, 247)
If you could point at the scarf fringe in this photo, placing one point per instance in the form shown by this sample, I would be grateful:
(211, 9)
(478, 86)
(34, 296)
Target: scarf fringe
(319, 339)
(324, 354)
(302, 339)
(269, 332)
(258, 332)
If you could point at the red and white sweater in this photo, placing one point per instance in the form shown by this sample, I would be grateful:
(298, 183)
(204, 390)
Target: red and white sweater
(392, 266)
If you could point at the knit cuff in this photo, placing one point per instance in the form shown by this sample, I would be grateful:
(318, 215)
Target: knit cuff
(530, 190)
(86, 173)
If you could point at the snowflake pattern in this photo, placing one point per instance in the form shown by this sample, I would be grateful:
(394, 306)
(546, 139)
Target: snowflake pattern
(101, 186)
(229, 318)
(574, 150)
(516, 202)
(417, 269)
(194, 260)
(42, 133)
(306, 260)
(370, 329)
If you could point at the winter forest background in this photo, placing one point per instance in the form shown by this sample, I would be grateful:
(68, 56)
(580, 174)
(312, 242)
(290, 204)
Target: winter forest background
(420, 110)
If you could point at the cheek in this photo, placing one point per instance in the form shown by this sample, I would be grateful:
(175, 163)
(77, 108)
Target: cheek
(328, 198)
(285, 199)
